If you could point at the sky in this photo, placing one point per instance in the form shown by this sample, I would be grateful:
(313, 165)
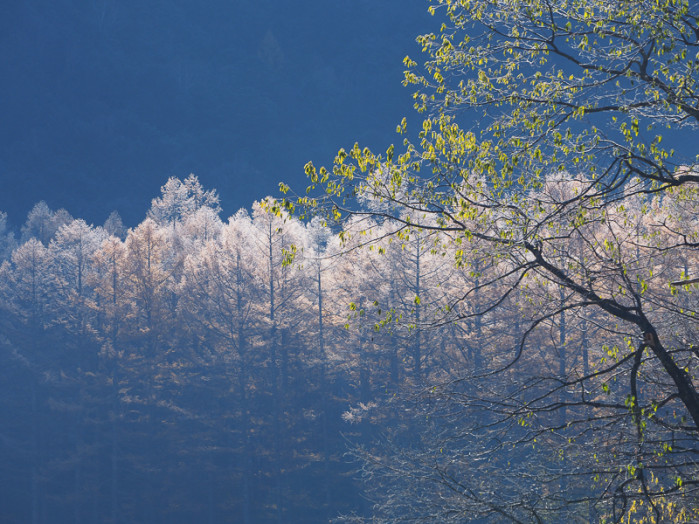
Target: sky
(103, 100)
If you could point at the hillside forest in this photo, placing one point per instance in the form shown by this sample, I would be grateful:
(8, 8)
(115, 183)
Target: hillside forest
(491, 320)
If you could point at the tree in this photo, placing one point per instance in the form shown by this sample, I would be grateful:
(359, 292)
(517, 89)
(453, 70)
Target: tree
(42, 223)
(26, 292)
(114, 225)
(71, 252)
(109, 282)
(515, 94)
(181, 199)
(283, 321)
(219, 293)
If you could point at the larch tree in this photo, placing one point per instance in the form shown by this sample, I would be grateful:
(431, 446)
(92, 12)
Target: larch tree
(179, 199)
(26, 295)
(219, 293)
(114, 225)
(70, 252)
(112, 309)
(284, 319)
(42, 223)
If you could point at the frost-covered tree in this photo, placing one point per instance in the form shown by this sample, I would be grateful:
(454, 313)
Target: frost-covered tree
(180, 199)
(114, 225)
(220, 296)
(200, 227)
(25, 304)
(28, 281)
(71, 251)
(42, 223)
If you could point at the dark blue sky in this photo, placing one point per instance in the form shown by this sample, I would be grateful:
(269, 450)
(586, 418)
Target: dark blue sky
(103, 100)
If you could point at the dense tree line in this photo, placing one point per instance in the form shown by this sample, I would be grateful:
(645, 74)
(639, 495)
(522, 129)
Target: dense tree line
(193, 369)
(186, 369)
(172, 372)
(542, 408)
